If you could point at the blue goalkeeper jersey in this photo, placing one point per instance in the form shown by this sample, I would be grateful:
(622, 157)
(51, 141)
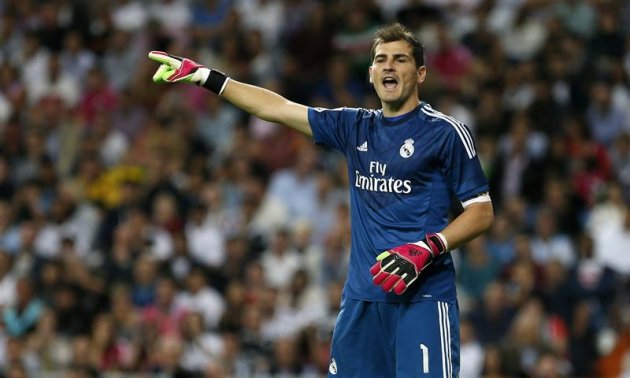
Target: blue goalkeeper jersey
(403, 172)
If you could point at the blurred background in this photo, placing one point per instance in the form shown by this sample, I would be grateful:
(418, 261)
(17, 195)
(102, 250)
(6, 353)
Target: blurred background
(157, 231)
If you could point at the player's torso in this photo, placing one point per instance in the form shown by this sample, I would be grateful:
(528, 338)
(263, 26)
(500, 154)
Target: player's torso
(397, 191)
(394, 173)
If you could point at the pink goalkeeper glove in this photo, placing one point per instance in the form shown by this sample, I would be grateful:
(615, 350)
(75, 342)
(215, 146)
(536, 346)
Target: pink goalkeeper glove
(397, 268)
(175, 69)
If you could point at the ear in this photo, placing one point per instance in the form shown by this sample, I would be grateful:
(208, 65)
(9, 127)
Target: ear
(422, 74)
(370, 74)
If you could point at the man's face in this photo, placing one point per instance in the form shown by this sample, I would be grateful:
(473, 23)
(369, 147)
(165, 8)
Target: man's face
(394, 74)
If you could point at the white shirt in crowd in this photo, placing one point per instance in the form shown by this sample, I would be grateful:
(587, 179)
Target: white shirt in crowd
(206, 301)
(280, 268)
(206, 244)
(200, 352)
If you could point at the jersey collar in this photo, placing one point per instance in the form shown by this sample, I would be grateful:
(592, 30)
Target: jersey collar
(397, 120)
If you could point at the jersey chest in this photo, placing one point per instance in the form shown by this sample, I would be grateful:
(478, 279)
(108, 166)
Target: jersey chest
(401, 152)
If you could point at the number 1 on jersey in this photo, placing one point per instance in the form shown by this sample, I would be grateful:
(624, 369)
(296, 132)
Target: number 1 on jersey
(425, 358)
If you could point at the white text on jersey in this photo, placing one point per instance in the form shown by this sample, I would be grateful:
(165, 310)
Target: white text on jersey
(376, 184)
(376, 167)
(381, 184)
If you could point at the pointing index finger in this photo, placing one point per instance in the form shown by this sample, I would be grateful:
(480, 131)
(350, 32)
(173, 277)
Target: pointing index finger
(164, 58)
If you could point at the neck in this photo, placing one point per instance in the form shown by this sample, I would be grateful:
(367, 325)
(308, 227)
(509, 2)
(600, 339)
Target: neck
(393, 109)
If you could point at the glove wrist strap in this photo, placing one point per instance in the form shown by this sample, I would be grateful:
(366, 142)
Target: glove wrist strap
(437, 242)
(215, 82)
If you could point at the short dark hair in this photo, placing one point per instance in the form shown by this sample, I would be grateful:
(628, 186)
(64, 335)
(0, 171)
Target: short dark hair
(398, 32)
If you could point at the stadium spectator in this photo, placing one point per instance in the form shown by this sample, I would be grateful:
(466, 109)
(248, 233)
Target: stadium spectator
(21, 317)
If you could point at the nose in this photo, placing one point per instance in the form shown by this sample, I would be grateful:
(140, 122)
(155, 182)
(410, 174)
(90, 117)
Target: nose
(389, 65)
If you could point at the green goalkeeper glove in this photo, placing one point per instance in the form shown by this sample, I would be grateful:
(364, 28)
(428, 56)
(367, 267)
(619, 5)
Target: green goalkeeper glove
(175, 69)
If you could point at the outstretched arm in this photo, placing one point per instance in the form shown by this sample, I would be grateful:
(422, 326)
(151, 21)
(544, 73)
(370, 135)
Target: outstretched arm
(260, 102)
(267, 105)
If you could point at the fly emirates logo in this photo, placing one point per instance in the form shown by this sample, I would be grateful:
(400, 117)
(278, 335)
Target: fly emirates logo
(378, 182)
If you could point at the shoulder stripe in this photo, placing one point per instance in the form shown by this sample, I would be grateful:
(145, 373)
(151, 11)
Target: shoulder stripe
(462, 131)
(460, 127)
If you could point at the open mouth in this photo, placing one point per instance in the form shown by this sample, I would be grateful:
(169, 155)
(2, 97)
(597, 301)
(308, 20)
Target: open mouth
(390, 82)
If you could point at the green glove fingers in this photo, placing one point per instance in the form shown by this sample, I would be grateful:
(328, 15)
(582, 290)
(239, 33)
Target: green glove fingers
(382, 255)
(163, 58)
(168, 65)
(162, 74)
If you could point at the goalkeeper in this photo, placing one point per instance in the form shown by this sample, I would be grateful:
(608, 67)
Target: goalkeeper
(399, 314)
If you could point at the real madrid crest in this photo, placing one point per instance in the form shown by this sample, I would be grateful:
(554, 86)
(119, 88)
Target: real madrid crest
(332, 368)
(407, 149)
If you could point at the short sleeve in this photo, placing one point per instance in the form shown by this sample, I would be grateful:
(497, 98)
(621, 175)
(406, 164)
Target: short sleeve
(331, 127)
(460, 163)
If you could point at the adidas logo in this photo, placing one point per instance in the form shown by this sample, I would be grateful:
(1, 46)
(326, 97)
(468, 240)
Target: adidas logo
(363, 147)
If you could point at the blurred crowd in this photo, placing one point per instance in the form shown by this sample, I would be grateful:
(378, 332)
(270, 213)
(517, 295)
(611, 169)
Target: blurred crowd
(157, 231)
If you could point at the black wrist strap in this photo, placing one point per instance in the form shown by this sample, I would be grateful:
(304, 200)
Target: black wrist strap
(216, 81)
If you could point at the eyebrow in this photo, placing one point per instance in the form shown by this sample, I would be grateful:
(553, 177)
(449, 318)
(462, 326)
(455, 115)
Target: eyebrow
(397, 55)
